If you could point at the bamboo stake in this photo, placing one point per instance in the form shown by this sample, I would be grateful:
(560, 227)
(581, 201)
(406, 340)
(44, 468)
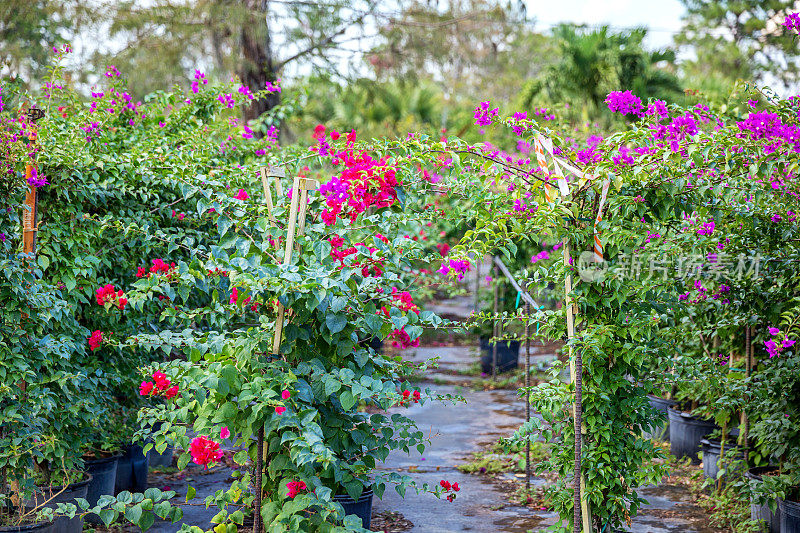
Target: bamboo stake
(287, 258)
(527, 395)
(582, 513)
(294, 210)
(495, 328)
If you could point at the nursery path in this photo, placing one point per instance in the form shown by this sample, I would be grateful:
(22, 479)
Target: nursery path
(457, 430)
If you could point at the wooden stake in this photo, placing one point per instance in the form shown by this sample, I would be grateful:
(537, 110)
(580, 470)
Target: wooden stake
(527, 393)
(582, 512)
(495, 328)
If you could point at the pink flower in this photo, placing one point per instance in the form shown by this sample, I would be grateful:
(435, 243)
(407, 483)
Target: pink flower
(224, 433)
(205, 451)
(294, 488)
(95, 340)
(286, 395)
(162, 383)
(787, 343)
(242, 195)
(171, 392)
(279, 410)
(234, 295)
(146, 388)
(774, 331)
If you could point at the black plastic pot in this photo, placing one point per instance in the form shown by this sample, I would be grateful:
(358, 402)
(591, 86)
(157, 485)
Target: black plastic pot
(38, 527)
(659, 431)
(362, 507)
(507, 355)
(131, 470)
(789, 512)
(104, 475)
(762, 511)
(376, 344)
(161, 459)
(63, 494)
(685, 434)
(712, 449)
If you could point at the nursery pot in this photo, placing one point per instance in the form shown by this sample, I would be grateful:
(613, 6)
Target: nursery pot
(685, 434)
(660, 431)
(712, 449)
(375, 343)
(507, 355)
(789, 512)
(131, 470)
(38, 527)
(762, 511)
(161, 459)
(63, 494)
(104, 475)
(362, 507)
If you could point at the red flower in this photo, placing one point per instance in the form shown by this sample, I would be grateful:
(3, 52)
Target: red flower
(224, 433)
(294, 488)
(286, 395)
(109, 293)
(456, 487)
(171, 392)
(335, 135)
(162, 383)
(95, 340)
(319, 132)
(445, 485)
(279, 410)
(205, 451)
(351, 137)
(146, 388)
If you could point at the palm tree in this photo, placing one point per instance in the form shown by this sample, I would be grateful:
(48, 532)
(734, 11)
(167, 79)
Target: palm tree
(596, 62)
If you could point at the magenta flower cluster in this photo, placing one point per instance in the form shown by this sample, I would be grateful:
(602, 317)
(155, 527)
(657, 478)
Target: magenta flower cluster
(772, 346)
(624, 102)
(460, 267)
(37, 181)
(484, 115)
(765, 126)
(792, 22)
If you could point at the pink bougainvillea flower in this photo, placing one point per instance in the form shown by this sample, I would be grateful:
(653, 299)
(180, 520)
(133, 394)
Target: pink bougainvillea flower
(624, 102)
(171, 392)
(787, 343)
(772, 348)
(286, 395)
(146, 388)
(242, 195)
(279, 410)
(95, 340)
(294, 488)
(774, 331)
(234, 295)
(162, 383)
(205, 451)
(224, 433)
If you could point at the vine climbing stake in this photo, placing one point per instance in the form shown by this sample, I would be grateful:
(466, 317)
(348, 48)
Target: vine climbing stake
(295, 225)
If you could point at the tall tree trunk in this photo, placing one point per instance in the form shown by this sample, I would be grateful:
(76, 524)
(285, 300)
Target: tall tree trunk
(258, 66)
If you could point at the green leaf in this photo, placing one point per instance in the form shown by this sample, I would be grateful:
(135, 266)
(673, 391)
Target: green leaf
(347, 400)
(336, 322)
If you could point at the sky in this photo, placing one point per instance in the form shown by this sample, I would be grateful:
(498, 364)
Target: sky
(662, 17)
